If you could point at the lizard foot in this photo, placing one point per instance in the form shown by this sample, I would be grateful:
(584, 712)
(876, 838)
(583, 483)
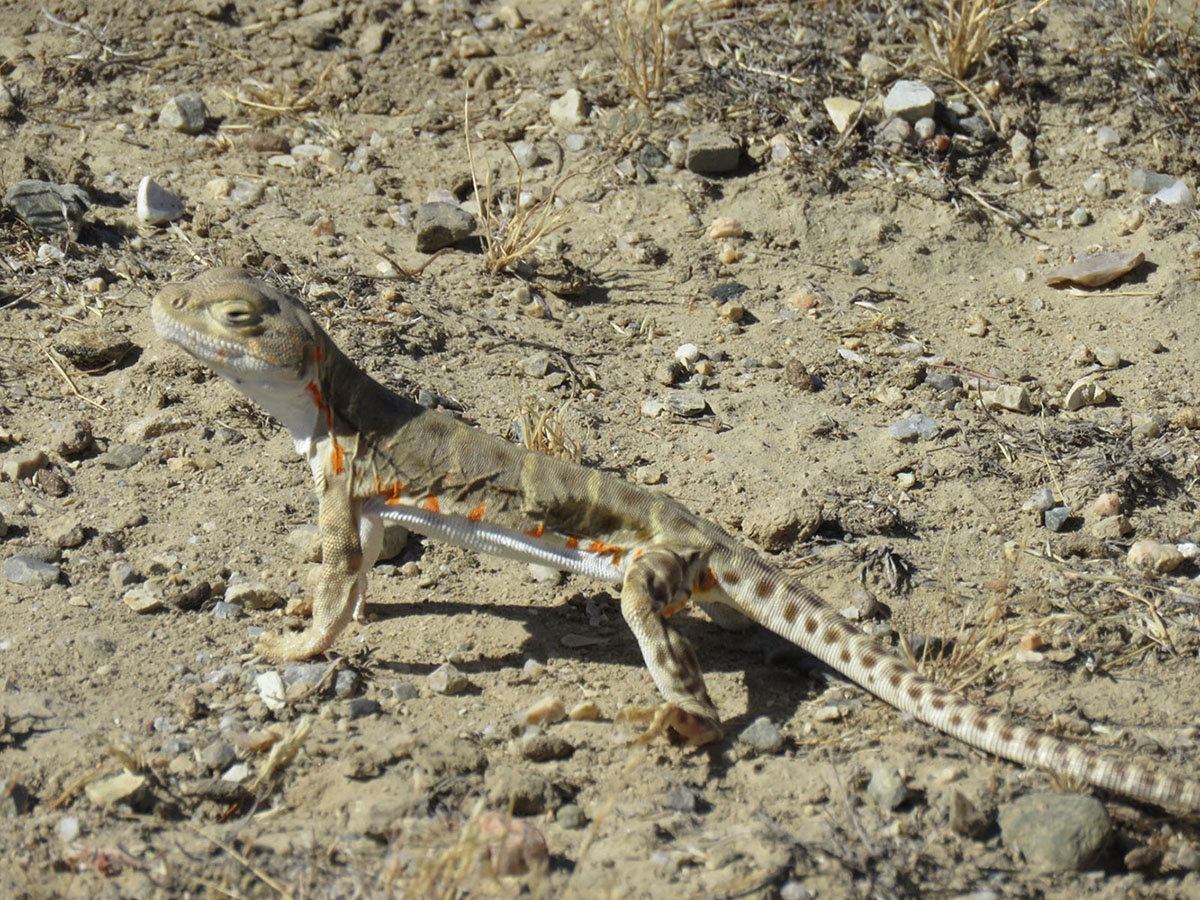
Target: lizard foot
(292, 646)
(676, 724)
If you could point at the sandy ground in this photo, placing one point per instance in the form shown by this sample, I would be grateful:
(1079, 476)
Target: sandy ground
(860, 281)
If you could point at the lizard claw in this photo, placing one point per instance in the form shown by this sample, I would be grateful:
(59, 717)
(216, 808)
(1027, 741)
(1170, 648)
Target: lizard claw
(291, 646)
(675, 723)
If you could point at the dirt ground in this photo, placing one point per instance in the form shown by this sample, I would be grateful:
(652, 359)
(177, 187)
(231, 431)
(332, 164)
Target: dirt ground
(862, 279)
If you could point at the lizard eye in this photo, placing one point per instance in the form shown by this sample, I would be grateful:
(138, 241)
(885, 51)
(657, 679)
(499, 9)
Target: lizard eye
(240, 316)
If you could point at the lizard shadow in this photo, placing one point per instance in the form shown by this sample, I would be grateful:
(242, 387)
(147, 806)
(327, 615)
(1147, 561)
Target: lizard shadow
(778, 676)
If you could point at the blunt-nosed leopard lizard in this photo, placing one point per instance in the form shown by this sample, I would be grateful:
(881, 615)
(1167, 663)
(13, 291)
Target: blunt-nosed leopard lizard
(375, 455)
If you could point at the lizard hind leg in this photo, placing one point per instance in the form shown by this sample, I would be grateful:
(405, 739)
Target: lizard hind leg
(654, 584)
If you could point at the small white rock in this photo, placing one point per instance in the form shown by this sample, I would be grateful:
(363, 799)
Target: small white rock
(547, 710)
(156, 205)
(687, 354)
(570, 110)
(271, 690)
(842, 111)
(1154, 556)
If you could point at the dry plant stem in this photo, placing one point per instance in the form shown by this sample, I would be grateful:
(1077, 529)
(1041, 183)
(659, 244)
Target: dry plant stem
(644, 39)
(960, 33)
(1140, 16)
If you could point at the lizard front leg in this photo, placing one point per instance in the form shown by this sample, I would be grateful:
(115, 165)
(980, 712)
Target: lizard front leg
(343, 579)
(655, 583)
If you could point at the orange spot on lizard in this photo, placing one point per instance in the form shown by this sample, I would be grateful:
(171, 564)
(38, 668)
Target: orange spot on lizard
(392, 494)
(707, 580)
(337, 457)
(572, 542)
(476, 515)
(431, 503)
(538, 531)
(315, 389)
(671, 608)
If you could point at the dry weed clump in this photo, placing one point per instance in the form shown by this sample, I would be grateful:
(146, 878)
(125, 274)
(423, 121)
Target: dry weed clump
(1139, 18)
(644, 35)
(959, 34)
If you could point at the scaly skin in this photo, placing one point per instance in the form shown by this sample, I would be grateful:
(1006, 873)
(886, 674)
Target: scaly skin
(377, 455)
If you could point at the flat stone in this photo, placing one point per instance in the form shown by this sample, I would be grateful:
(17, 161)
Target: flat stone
(186, 114)
(144, 598)
(121, 456)
(842, 111)
(93, 350)
(20, 464)
(1014, 397)
(688, 404)
(271, 690)
(49, 208)
(712, 154)
(29, 572)
(887, 788)
(119, 788)
(440, 225)
(156, 205)
(1154, 556)
(65, 532)
(253, 595)
(1056, 832)
(72, 438)
(910, 100)
(149, 427)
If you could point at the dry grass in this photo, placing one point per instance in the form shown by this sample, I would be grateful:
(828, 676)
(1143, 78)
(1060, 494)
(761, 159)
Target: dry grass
(959, 34)
(543, 428)
(645, 34)
(1139, 18)
(513, 229)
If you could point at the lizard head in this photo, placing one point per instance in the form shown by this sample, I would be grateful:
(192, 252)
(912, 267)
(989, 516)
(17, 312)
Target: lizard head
(245, 329)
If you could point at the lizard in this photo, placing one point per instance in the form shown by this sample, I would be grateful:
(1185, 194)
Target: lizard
(377, 455)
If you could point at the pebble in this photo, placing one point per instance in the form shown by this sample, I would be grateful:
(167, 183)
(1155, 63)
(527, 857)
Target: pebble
(1095, 270)
(253, 595)
(223, 609)
(71, 439)
(21, 464)
(725, 227)
(910, 428)
(570, 110)
(472, 46)
(1096, 186)
(966, 819)
(977, 325)
(1056, 517)
(795, 890)
(156, 425)
(545, 747)
(571, 816)
(712, 154)
(1084, 392)
(65, 532)
(218, 756)
(29, 572)
(925, 128)
(1107, 138)
(1175, 194)
(440, 225)
(842, 111)
(271, 690)
(526, 154)
(533, 669)
(1153, 556)
(405, 690)
(1042, 500)
(185, 113)
(857, 267)
(545, 575)
(121, 574)
(688, 404)
(363, 707)
(1106, 504)
(1056, 832)
(910, 100)
(118, 789)
(584, 711)
(1149, 428)
(978, 128)
(121, 456)
(1112, 528)
(887, 788)
(575, 142)
(155, 204)
(547, 710)
(1147, 182)
(1080, 217)
(49, 208)
(1013, 397)
(874, 67)
(448, 680)
(763, 736)
(514, 846)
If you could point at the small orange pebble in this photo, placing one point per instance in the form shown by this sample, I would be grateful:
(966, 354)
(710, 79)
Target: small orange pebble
(1032, 641)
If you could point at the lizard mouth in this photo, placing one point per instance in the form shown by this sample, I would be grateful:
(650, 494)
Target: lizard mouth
(223, 355)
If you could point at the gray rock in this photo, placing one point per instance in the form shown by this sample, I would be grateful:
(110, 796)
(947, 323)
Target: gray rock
(306, 674)
(688, 404)
(887, 788)
(440, 225)
(910, 428)
(361, 707)
(149, 427)
(446, 679)
(72, 438)
(942, 381)
(405, 690)
(218, 756)
(712, 154)
(895, 131)
(1107, 137)
(93, 350)
(1148, 182)
(186, 114)
(967, 819)
(545, 747)
(1040, 501)
(1056, 832)
(910, 100)
(978, 128)
(1056, 517)
(24, 570)
(570, 816)
(1080, 216)
(121, 573)
(1096, 186)
(347, 684)
(65, 532)
(48, 208)
(526, 154)
(395, 539)
(763, 736)
(223, 610)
